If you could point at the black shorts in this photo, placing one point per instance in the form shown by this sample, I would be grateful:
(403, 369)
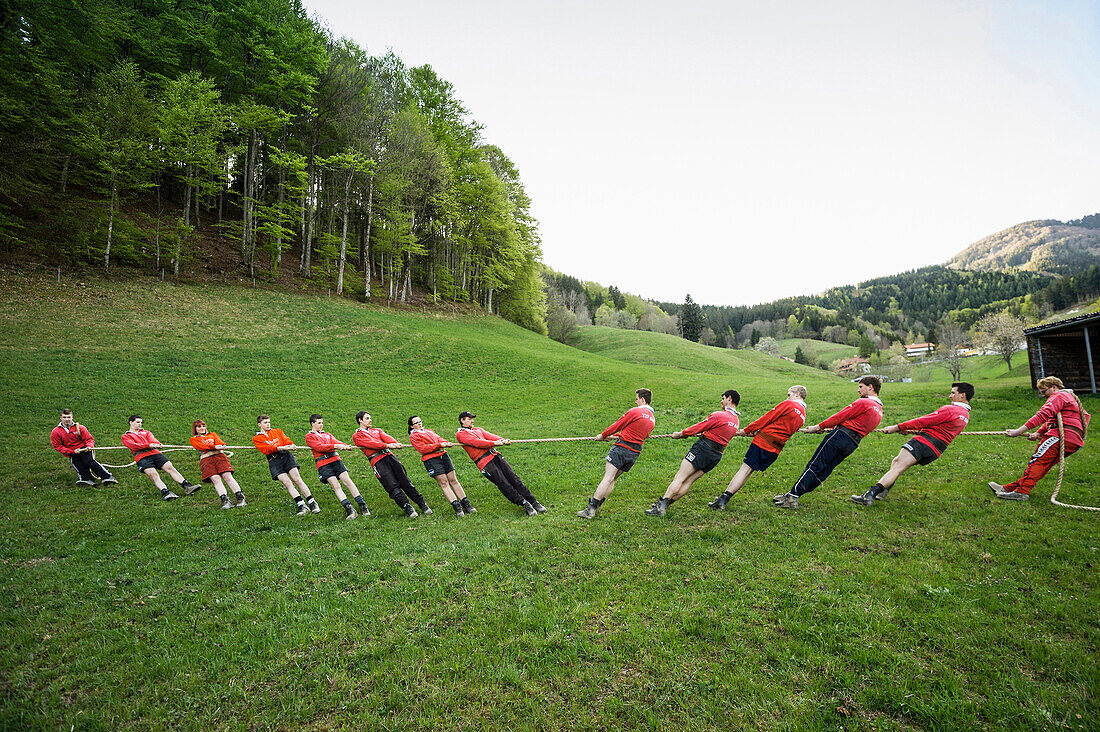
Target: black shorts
(281, 462)
(331, 470)
(439, 465)
(921, 451)
(759, 459)
(621, 457)
(151, 461)
(703, 455)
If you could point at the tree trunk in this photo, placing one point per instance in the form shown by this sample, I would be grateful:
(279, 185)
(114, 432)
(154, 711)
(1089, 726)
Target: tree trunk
(366, 239)
(111, 220)
(343, 250)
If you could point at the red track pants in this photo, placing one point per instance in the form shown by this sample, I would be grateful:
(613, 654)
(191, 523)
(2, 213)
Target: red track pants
(1045, 458)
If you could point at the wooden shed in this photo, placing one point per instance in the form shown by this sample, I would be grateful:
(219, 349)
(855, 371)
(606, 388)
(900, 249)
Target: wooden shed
(1068, 349)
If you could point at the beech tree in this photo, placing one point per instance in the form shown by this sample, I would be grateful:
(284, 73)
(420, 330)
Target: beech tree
(1002, 333)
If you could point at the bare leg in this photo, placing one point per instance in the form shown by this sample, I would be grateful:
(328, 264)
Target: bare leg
(218, 485)
(173, 473)
(335, 484)
(898, 465)
(445, 486)
(610, 475)
(296, 476)
(345, 478)
(685, 476)
(231, 482)
(285, 480)
(456, 486)
(739, 479)
(155, 477)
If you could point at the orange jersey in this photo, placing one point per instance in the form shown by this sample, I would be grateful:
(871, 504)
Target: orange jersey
(269, 442)
(207, 442)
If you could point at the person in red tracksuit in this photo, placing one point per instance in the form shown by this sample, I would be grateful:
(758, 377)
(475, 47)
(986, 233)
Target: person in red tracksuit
(771, 433)
(376, 445)
(149, 459)
(935, 432)
(330, 468)
(439, 465)
(632, 428)
(1075, 423)
(850, 425)
(714, 432)
(479, 445)
(75, 442)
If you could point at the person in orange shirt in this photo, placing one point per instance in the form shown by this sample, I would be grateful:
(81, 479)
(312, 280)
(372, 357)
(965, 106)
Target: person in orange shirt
(214, 464)
(439, 466)
(276, 446)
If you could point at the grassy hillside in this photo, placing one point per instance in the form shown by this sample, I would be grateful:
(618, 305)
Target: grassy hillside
(1037, 246)
(826, 351)
(938, 608)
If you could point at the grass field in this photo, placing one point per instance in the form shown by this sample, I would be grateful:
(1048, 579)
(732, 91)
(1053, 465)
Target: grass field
(940, 608)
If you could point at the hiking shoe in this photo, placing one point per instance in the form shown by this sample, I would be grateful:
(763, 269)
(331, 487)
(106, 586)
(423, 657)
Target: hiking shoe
(529, 509)
(719, 503)
(86, 482)
(313, 507)
(189, 488)
(996, 487)
(241, 503)
(658, 508)
(467, 506)
(110, 480)
(1013, 496)
(411, 512)
(865, 499)
(539, 507)
(303, 510)
(881, 495)
(426, 510)
(226, 504)
(786, 500)
(170, 496)
(588, 511)
(351, 514)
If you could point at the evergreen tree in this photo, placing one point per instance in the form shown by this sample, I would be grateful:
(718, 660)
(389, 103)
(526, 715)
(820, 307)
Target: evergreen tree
(691, 320)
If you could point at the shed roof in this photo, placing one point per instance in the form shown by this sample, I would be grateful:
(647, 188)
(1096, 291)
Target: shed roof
(1067, 324)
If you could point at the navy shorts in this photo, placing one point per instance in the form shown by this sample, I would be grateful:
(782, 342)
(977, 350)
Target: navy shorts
(758, 458)
(439, 465)
(922, 452)
(281, 462)
(703, 455)
(151, 461)
(621, 457)
(332, 470)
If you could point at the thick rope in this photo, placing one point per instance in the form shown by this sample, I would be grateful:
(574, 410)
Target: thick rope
(1062, 470)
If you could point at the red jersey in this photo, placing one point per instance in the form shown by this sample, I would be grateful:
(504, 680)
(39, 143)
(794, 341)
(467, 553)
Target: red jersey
(373, 443)
(66, 441)
(323, 445)
(861, 416)
(776, 427)
(633, 427)
(269, 442)
(478, 444)
(207, 442)
(718, 427)
(1074, 418)
(427, 443)
(939, 428)
(140, 443)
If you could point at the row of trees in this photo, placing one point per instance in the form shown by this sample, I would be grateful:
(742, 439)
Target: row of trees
(250, 124)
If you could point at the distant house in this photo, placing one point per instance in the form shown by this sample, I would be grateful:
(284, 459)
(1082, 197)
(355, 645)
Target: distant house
(919, 349)
(854, 365)
(1068, 349)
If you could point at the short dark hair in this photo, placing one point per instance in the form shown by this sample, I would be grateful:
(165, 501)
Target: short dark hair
(645, 394)
(872, 381)
(965, 388)
(65, 411)
(314, 417)
(135, 416)
(359, 415)
(261, 418)
(732, 394)
(415, 416)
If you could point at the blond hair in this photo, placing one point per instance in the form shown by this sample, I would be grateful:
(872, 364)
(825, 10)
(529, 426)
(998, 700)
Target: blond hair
(800, 391)
(1053, 381)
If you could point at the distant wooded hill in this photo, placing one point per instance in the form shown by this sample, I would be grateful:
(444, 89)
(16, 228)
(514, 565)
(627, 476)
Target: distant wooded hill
(1036, 246)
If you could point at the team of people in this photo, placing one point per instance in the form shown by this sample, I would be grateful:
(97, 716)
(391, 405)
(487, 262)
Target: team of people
(932, 434)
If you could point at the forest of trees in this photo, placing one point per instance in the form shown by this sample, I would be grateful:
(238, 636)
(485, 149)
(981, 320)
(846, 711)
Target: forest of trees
(132, 132)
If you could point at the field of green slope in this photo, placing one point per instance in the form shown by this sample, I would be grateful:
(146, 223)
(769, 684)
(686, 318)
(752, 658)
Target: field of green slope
(940, 607)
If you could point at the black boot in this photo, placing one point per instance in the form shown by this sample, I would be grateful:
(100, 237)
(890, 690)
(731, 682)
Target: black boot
(424, 509)
(659, 507)
(719, 503)
(457, 504)
(592, 509)
(467, 506)
(410, 511)
(529, 509)
(538, 506)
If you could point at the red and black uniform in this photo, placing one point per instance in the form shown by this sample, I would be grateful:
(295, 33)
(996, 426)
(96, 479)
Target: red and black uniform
(851, 425)
(329, 464)
(278, 461)
(211, 461)
(141, 443)
(66, 440)
(387, 468)
(1075, 421)
(479, 444)
(938, 429)
(719, 427)
(633, 427)
(776, 427)
(428, 444)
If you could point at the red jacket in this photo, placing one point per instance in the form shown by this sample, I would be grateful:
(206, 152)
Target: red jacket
(66, 441)
(1074, 418)
(140, 443)
(373, 443)
(776, 427)
(269, 442)
(427, 443)
(944, 424)
(719, 426)
(323, 445)
(861, 416)
(633, 427)
(478, 444)
(207, 442)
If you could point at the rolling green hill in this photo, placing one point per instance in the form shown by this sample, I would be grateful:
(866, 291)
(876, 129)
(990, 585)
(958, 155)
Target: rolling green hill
(938, 608)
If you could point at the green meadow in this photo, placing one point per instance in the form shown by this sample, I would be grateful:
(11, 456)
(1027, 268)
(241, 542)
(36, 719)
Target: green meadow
(938, 608)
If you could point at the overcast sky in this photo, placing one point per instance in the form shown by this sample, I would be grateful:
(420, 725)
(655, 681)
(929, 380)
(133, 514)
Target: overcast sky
(746, 151)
